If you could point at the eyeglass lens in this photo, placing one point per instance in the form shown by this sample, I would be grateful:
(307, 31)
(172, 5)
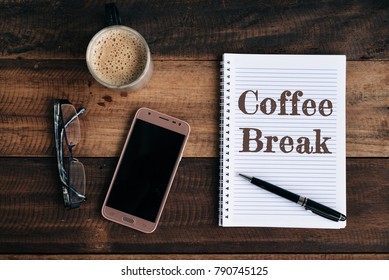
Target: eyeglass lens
(71, 123)
(76, 172)
(77, 181)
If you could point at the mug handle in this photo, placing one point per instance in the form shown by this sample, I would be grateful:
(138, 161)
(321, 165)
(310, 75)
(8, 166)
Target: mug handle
(112, 16)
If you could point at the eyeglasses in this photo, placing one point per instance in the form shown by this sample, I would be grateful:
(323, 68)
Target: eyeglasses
(72, 174)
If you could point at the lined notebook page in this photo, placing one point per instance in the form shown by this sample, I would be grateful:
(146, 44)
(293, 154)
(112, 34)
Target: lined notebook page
(306, 163)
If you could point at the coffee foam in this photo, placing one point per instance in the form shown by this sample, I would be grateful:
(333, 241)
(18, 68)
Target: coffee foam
(118, 57)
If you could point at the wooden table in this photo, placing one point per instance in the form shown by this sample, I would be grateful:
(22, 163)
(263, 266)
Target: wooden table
(42, 57)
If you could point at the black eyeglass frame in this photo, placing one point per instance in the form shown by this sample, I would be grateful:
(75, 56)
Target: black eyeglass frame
(60, 134)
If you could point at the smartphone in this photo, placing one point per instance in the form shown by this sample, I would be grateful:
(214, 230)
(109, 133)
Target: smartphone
(146, 169)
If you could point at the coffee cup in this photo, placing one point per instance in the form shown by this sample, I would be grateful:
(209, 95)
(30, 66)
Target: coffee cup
(117, 56)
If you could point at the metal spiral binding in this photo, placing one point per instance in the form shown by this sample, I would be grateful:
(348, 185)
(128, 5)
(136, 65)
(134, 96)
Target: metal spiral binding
(224, 129)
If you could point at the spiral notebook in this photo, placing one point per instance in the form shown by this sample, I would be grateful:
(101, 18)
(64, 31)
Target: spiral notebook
(282, 121)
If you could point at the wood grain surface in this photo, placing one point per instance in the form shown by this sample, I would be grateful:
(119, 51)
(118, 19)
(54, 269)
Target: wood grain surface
(34, 221)
(186, 89)
(200, 30)
(42, 58)
(279, 256)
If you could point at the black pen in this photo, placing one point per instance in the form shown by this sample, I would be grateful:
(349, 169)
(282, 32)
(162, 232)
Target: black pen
(308, 204)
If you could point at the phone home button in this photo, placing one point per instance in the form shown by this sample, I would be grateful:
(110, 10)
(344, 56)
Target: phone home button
(128, 220)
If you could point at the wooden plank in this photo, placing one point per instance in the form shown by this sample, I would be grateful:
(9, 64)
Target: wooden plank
(33, 219)
(28, 89)
(199, 29)
(186, 89)
(367, 112)
(342, 256)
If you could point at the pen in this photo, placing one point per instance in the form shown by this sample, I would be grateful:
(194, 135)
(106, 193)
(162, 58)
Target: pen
(307, 203)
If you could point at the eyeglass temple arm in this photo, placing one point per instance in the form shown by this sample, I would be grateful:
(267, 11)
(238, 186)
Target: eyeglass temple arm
(79, 113)
(58, 137)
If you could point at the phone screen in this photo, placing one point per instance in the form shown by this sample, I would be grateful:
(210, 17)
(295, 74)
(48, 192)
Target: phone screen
(145, 170)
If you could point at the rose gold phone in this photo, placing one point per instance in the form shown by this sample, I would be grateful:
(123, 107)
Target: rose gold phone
(146, 170)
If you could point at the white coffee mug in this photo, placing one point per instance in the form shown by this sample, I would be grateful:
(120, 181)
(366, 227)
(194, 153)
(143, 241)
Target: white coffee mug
(117, 56)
